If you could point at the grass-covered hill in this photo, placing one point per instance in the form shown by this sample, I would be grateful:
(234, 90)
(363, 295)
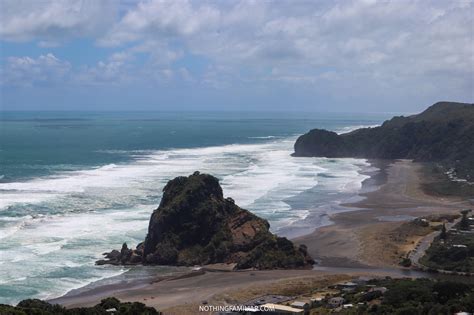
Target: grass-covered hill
(443, 133)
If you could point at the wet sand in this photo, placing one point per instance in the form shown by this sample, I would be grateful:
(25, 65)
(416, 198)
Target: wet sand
(356, 237)
(353, 240)
(172, 292)
(211, 286)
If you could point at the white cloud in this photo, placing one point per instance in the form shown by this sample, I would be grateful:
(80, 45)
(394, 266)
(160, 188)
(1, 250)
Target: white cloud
(324, 44)
(185, 74)
(115, 70)
(54, 21)
(162, 19)
(159, 52)
(121, 67)
(26, 71)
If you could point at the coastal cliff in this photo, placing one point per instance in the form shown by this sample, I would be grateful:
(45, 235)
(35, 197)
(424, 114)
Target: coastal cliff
(195, 225)
(443, 133)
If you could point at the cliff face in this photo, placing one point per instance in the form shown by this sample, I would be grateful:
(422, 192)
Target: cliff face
(195, 225)
(443, 133)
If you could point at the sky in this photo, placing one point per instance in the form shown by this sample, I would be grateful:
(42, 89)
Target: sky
(337, 56)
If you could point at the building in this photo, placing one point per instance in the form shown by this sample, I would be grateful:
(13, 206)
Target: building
(336, 302)
(301, 305)
(279, 309)
(316, 302)
(378, 289)
(268, 299)
(361, 280)
(348, 284)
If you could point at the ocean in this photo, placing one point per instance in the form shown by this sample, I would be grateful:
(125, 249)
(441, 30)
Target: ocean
(76, 184)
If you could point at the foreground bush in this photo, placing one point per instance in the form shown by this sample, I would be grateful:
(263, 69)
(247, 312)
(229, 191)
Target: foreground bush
(39, 307)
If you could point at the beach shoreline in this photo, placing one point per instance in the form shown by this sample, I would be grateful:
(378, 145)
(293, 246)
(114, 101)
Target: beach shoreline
(350, 245)
(355, 237)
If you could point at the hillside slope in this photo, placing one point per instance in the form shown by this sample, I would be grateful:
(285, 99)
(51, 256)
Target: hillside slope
(443, 133)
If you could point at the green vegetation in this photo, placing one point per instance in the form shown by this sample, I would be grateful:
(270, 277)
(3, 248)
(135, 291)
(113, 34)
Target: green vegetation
(405, 262)
(450, 255)
(406, 296)
(464, 224)
(453, 250)
(443, 235)
(195, 225)
(422, 296)
(38, 307)
(437, 182)
(444, 133)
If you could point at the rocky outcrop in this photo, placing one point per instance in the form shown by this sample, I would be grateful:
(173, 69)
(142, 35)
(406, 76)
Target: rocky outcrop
(195, 225)
(443, 133)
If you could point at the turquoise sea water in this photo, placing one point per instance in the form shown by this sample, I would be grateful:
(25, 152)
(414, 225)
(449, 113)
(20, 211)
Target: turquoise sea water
(76, 184)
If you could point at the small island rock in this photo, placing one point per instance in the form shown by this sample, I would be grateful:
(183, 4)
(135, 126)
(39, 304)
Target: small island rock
(195, 225)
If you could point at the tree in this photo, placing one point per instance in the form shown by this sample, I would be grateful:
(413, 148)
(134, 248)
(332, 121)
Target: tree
(443, 235)
(464, 224)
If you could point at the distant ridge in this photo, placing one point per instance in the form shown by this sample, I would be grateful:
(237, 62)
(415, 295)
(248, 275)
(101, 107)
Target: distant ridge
(442, 133)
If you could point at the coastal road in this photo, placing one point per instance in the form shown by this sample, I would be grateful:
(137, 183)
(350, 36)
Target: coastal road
(425, 243)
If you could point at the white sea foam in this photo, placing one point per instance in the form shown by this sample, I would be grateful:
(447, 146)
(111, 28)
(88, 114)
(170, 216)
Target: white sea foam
(74, 216)
(264, 137)
(258, 176)
(352, 128)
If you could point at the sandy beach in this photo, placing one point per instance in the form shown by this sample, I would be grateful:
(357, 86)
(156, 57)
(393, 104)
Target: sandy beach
(359, 242)
(363, 236)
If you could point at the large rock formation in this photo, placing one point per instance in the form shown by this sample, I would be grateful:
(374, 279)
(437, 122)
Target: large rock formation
(443, 133)
(195, 225)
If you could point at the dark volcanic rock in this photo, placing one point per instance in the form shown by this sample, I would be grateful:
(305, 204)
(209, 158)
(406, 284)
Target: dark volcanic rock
(443, 133)
(195, 225)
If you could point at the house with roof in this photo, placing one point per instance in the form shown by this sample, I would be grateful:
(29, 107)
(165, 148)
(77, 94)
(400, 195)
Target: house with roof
(279, 309)
(378, 289)
(304, 305)
(336, 302)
